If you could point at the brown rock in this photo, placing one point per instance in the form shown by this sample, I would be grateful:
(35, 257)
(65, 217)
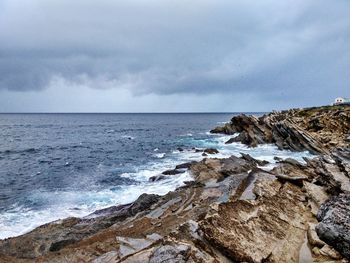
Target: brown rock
(271, 228)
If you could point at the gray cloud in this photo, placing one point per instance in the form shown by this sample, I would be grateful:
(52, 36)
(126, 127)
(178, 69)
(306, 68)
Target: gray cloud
(272, 49)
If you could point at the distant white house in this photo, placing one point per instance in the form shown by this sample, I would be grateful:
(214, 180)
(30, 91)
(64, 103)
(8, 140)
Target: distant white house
(340, 101)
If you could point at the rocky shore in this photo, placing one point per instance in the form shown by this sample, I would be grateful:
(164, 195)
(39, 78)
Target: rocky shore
(236, 209)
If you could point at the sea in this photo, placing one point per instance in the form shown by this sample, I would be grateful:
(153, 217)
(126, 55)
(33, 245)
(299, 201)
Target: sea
(54, 166)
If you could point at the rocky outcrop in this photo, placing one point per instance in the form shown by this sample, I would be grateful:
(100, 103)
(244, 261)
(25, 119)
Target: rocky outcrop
(317, 130)
(334, 226)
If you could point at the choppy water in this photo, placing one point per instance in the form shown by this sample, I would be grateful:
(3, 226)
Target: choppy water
(58, 165)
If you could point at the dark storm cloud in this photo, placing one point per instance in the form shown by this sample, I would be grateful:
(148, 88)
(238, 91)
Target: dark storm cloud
(267, 48)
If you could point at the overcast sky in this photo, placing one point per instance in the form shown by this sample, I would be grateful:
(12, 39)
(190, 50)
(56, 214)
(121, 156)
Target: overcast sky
(172, 56)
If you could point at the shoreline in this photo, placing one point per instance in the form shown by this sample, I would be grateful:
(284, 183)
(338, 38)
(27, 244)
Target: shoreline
(195, 221)
(262, 152)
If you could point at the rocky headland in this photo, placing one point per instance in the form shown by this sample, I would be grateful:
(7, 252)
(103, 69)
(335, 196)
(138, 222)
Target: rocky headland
(234, 210)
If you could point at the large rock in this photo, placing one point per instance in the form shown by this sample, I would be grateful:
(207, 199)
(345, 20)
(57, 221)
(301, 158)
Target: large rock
(334, 226)
(271, 228)
(218, 169)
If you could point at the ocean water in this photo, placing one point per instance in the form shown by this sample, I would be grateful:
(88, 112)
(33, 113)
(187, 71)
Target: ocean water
(53, 166)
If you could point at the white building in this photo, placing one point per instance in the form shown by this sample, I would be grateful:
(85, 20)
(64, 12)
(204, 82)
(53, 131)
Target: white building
(340, 100)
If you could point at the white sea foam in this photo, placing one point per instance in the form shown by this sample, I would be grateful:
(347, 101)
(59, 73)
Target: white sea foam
(81, 203)
(159, 155)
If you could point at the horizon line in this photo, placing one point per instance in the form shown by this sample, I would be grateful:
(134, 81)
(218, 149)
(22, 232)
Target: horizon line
(187, 112)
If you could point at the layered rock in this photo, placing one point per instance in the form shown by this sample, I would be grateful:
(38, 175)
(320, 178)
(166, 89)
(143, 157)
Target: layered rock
(270, 228)
(317, 130)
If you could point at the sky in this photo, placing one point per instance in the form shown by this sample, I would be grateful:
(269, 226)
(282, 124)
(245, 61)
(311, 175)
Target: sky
(172, 56)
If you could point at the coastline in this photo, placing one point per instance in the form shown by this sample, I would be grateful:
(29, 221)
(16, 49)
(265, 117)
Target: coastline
(234, 209)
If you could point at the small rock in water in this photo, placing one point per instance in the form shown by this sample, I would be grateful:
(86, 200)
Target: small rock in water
(211, 151)
(173, 172)
(156, 178)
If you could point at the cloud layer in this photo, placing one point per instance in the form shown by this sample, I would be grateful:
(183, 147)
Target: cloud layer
(273, 50)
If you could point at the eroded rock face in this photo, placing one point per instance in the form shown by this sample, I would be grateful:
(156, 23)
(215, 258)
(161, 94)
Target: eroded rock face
(334, 226)
(268, 229)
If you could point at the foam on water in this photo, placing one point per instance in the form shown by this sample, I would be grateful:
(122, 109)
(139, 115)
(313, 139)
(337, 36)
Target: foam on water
(159, 155)
(62, 204)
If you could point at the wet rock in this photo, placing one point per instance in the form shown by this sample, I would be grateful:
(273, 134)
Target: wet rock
(185, 165)
(278, 159)
(156, 178)
(173, 172)
(211, 151)
(334, 226)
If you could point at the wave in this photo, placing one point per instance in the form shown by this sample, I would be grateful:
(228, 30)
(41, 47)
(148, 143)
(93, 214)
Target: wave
(28, 150)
